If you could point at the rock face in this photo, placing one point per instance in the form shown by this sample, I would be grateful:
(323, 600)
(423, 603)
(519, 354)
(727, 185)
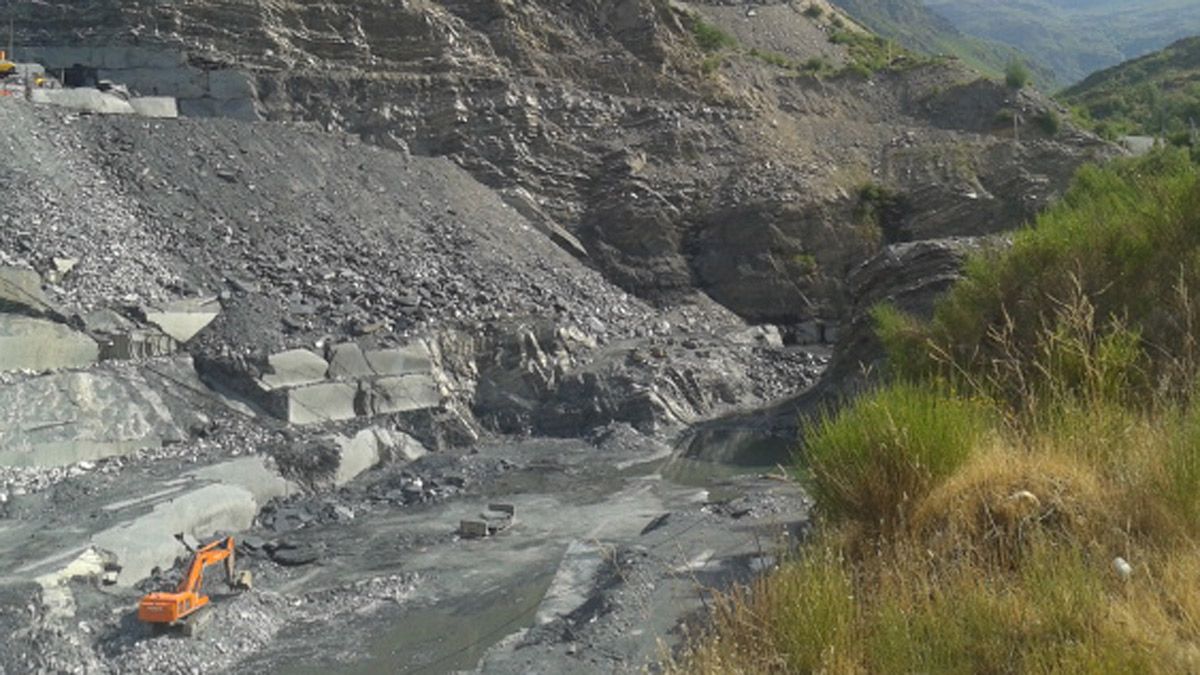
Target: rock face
(69, 417)
(37, 344)
(911, 277)
(603, 128)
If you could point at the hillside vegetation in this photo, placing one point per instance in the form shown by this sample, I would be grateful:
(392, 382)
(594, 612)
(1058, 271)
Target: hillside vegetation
(913, 25)
(1072, 38)
(1023, 495)
(1153, 95)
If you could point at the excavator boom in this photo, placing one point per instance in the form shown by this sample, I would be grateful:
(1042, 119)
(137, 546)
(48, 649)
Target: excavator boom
(187, 599)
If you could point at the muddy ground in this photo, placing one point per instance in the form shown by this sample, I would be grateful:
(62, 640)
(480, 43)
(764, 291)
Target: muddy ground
(617, 541)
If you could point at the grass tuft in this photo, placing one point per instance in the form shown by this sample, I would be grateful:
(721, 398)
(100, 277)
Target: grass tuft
(877, 457)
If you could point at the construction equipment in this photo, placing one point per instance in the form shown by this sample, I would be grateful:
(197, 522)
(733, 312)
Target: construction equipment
(184, 607)
(6, 67)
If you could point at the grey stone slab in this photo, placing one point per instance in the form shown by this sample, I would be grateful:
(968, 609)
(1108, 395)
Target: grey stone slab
(410, 359)
(37, 344)
(399, 445)
(294, 368)
(64, 418)
(402, 394)
(182, 320)
(21, 290)
(357, 455)
(348, 362)
(224, 498)
(84, 99)
(160, 107)
(317, 403)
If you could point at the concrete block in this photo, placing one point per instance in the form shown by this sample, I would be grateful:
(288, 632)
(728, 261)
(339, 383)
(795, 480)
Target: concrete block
(294, 368)
(410, 359)
(401, 394)
(349, 363)
(328, 402)
(38, 344)
(161, 107)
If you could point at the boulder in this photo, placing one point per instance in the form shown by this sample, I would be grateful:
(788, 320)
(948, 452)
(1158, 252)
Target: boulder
(38, 344)
(910, 276)
(21, 292)
(355, 455)
(221, 498)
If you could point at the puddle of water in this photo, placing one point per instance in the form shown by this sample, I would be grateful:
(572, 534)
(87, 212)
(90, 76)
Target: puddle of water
(710, 458)
(445, 638)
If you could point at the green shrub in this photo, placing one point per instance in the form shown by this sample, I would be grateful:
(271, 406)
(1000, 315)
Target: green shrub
(709, 37)
(1049, 122)
(817, 66)
(884, 208)
(1017, 75)
(873, 460)
(1095, 299)
(814, 11)
(772, 58)
(805, 264)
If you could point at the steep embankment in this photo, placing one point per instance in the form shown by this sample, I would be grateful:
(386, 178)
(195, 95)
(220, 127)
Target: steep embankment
(1153, 95)
(632, 125)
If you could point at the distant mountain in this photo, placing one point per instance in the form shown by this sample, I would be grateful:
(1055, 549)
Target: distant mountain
(912, 24)
(1148, 95)
(1073, 38)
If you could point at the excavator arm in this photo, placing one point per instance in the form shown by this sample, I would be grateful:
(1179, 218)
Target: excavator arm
(180, 606)
(222, 550)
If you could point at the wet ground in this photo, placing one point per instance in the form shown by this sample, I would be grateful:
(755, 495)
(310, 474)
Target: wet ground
(617, 541)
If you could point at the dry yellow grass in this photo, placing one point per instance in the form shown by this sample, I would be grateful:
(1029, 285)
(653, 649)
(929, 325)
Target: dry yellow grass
(1007, 566)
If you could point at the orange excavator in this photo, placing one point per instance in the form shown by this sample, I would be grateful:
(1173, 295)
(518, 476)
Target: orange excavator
(183, 607)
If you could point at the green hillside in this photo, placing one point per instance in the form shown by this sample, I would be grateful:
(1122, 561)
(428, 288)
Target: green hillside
(1073, 38)
(911, 24)
(1150, 95)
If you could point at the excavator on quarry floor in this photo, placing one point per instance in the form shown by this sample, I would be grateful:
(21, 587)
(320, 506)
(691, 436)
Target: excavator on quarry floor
(6, 67)
(187, 606)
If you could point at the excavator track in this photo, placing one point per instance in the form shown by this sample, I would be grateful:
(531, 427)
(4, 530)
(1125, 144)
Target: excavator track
(196, 623)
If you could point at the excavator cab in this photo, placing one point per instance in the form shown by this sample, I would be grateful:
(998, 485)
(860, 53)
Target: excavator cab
(182, 607)
(6, 67)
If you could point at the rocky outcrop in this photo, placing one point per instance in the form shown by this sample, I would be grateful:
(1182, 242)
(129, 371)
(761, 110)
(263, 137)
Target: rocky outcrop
(605, 131)
(69, 417)
(910, 277)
